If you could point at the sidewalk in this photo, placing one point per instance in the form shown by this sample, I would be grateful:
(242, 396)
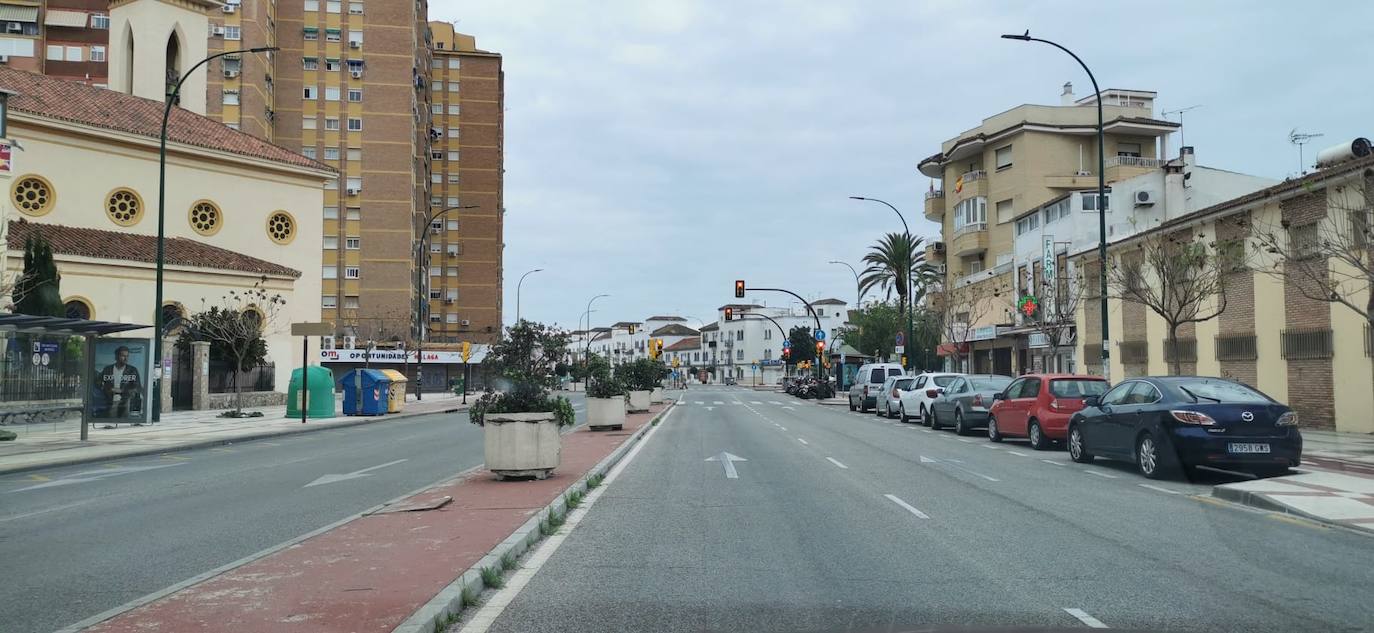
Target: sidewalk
(46, 445)
(398, 564)
(1329, 450)
(1326, 497)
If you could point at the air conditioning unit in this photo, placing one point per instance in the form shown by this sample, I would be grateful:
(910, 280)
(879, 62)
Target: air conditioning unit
(448, 302)
(230, 8)
(353, 192)
(350, 342)
(230, 74)
(357, 74)
(434, 230)
(940, 268)
(355, 44)
(1144, 198)
(1082, 173)
(326, 342)
(465, 322)
(939, 247)
(217, 30)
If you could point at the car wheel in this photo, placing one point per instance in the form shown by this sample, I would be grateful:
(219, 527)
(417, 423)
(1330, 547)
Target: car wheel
(1038, 441)
(1148, 458)
(959, 428)
(993, 434)
(851, 405)
(901, 414)
(1077, 450)
(934, 419)
(925, 416)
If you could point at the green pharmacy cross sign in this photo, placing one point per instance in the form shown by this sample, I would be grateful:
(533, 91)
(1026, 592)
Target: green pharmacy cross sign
(1028, 305)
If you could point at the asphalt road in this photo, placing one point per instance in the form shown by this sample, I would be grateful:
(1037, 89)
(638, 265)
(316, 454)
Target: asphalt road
(79, 540)
(845, 522)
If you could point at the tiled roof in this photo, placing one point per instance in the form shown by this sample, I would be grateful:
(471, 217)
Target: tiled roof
(180, 251)
(684, 344)
(826, 302)
(625, 324)
(673, 329)
(51, 98)
(665, 318)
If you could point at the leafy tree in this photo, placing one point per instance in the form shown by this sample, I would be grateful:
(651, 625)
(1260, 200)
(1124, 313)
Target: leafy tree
(873, 329)
(957, 309)
(524, 360)
(895, 258)
(803, 344)
(37, 292)
(236, 330)
(560, 369)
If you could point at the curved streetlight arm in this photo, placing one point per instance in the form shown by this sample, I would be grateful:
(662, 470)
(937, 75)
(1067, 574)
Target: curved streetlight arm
(421, 299)
(905, 228)
(804, 302)
(911, 257)
(858, 293)
(518, 286)
(586, 352)
(751, 314)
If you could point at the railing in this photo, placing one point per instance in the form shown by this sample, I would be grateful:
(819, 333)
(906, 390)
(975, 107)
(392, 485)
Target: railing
(260, 378)
(1135, 352)
(1308, 343)
(970, 228)
(1134, 161)
(938, 193)
(986, 273)
(1240, 347)
(970, 176)
(1187, 350)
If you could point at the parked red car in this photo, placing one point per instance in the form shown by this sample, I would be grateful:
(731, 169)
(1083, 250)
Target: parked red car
(1038, 407)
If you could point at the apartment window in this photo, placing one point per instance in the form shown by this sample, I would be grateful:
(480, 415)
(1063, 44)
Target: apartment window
(355, 183)
(332, 65)
(331, 123)
(450, 318)
(435, 201)
(434, 318)
(767, 335)
(453, 108)
(1128, 149)
(331, 213)
(973, 265)
(100, 21)
(331, 93)
(973, 211)
(452, 293)
(355, 8)
(436, 86)
(332, 6)
(331, 242)
(1057, 210)
(312, 5)
(1361, 225)
(355, 37)
(1028, 224)
(98, 53)
(1004, 211)
(1003, 155)
(353, 243)
(739, 354)
(435, 294)
(437, 179)
(453, 63)
(351, 302)
(331, 184)
(330, 272)
(231, 97)
(453, 86)
(453, 156)
(331, 153)
(352, 272)
(355, 95)
(329, 301)
(54, 53)
(1090, 202)
(452, 271)
(437, 154)
(1304, 240)
(355, 65)
(311, 34)
(453, 179)
(310, 63)
(453, 132)
(355, 153)
(354, 124)
(436, 63)
(232, 32)
(308, 123)
(355, 213)
(437, 108)
(453, 225)
(333, 35)
(310, 93)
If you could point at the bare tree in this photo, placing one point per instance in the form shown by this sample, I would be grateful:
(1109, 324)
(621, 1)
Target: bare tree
(1331, 259)
(238, 328)
(1179, 276)
(957, 309)
(1054, 311)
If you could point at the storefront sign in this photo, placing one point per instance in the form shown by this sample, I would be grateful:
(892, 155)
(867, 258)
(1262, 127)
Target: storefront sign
(397, 356)
(983, 333)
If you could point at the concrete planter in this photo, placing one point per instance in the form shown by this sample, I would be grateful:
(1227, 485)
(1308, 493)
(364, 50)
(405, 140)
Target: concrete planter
(606, 413)
(656, 396)
(522, 444)
(639, 401)
(576, 386)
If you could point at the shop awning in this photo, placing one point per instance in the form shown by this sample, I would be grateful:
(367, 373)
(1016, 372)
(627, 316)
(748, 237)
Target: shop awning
(58, 17)
(950, 349)
(18, 13)
(60, 325)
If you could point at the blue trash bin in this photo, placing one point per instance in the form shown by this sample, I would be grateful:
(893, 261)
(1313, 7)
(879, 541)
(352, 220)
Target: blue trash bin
(374, 393)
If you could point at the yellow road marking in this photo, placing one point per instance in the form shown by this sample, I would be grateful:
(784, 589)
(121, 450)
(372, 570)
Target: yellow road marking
(1297, 521)
(223, 450)
(38, 478)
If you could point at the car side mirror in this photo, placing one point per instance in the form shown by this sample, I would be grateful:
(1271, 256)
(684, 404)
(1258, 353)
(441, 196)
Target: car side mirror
(1092, 401)
(999, 396)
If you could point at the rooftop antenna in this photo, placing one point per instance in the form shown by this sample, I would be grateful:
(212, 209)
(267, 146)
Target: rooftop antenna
(1180, 112)
(1299, 138)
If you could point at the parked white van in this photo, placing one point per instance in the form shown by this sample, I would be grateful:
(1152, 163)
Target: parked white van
(868, 381)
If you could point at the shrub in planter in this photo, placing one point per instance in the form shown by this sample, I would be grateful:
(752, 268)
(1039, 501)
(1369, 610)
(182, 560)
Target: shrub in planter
(640, 377)
(520, 418)
(605, 398)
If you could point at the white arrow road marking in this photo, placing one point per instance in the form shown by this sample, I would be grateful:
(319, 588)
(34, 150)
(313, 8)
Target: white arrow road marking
(329, 479)
(1085, 618)
(837, 463)
(710, 408)
(950, 462)
(87, 476)
(909, 508)
(728, 461)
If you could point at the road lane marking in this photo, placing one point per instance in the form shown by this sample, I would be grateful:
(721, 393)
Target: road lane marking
(774, 402)
(1100, 474)
(1050, 461)
(965, 440)
(994, 446)
(755, 402)
(925, 430)
(700, 402)
(88, 476)
(782, 427)
(837, 463)
(1085, 618)
(803, 441)
(1165, 490)
(727, 461)
(909, 508)
(717, 402)
(44, 511)
(1017, 453)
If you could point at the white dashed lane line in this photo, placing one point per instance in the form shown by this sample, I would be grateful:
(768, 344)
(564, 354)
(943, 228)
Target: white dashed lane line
(1157, 488)
(909, 508)
(1052, 462)
(1085, 618)
(1100, 474)
(837, 463)
(803, 441)
(1017, 453)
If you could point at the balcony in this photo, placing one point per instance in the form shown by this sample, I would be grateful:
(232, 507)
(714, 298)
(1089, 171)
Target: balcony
(970, 184)
(969, 239)
(935, 205)
(1122, 167)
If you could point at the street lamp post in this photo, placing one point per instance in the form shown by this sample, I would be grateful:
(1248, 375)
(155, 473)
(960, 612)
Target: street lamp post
(172, 98)
(587, 351)
(1101, 196)
(517, 292)
(858, 294)
(911, 257)
(422, 299)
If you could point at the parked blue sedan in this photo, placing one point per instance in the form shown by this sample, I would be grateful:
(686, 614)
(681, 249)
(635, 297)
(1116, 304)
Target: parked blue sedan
(1171, 422)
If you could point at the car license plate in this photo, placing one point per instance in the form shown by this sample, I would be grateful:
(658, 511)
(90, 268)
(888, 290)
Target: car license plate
(1237, 447)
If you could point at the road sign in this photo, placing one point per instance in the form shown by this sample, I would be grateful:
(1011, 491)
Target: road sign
(323, 328)
(901, 349)
(44, 347)
(786, 343)
(901, 339)
(820, 335)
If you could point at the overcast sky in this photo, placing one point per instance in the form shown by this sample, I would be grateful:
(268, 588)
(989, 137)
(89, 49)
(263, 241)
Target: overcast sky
(657, 150)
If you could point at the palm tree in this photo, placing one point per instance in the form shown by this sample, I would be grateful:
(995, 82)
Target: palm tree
(895, 257)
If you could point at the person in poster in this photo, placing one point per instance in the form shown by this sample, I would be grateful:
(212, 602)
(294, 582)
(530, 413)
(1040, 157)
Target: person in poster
(120, 384)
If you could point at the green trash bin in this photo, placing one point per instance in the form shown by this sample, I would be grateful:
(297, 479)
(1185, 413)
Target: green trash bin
(321, 390)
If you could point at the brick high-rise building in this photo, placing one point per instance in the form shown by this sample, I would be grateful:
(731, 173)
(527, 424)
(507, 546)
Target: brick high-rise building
(467, 158)
(67, 39)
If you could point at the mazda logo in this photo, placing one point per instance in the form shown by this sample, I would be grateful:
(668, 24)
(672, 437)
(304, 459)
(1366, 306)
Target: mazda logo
(1247, 416)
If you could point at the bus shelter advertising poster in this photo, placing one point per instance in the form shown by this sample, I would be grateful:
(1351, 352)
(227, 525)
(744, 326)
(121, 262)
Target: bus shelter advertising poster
(119, 388)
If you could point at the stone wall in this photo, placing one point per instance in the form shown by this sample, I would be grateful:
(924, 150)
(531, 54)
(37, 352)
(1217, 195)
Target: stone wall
(250, 399)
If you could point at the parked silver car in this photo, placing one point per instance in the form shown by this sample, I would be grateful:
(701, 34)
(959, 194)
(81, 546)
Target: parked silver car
(965, 402)
(890, 397)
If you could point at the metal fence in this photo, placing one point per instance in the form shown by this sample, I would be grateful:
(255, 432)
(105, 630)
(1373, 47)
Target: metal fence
(260, 378)
(1135, 352)
(1307, 343)
(1241, 347)
(1187, 350)
(38, 368)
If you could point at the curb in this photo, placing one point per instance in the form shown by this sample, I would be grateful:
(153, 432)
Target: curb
(1259, 500)
(448, 603)
(142, 452)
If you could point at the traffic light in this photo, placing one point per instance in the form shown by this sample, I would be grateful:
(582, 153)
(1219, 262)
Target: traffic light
(729, 314)
(632, 328)
(786, 353)
(903, 360)
(739, 288)
(820, 347)
(467, 351)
